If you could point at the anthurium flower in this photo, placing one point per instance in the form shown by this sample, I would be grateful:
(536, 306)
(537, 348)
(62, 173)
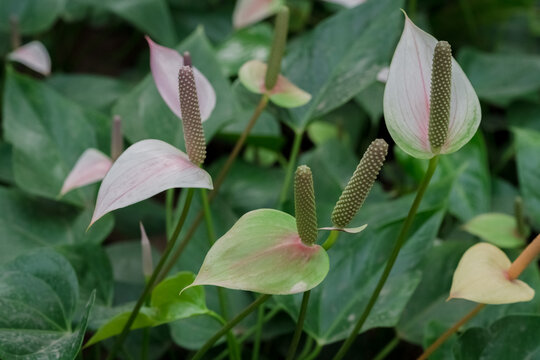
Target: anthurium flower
(164, 63)
(482, 276)
(263, 252)
(145, 169)
(34, 55)
(248, 12)
(93, 165)
(285, 94)
(407, 97)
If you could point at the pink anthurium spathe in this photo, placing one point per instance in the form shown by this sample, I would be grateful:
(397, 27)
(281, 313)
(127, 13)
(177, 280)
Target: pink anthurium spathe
(407, 97)
(248, 12)
(145, 169)
(263, 252)
(34, 55)
(285, 94)
(164, 63)
(91, 167)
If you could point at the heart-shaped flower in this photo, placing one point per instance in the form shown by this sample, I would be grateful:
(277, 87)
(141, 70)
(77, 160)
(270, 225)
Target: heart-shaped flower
(164, 63)
(285, 94)
(407, 98)
(33, 55)
(248, 12)
(482, 276)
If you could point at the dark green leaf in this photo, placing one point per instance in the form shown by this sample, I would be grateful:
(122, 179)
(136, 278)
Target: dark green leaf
(501, 78)
(342, 56)
(528, 168)
(28, 223)
(512, 337)
(48, 134)
(34, 16)
(39, 293)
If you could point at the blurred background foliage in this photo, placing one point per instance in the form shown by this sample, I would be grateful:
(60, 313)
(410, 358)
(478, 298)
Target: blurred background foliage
(100, 64)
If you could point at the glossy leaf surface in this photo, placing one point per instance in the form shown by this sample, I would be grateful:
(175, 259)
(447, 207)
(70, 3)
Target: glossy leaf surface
(39, 293)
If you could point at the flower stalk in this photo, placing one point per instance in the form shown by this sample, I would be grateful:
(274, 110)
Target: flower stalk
(117, 142)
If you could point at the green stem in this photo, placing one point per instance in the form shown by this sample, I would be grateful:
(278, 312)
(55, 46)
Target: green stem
(330, 240)
(332, 237)
(169, 197)
(250, 331)
(208, 345)
(231, 340)
(150, 284)
(412, 9)
(145, 343)
(291, 166)
(314, 353)
(299, 326)
(393, 256)
(520, 218)
(217, 184)
(258, 333)
(387, 349)
(307, 348)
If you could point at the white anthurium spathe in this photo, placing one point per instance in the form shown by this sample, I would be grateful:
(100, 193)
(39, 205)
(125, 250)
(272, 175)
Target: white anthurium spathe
(407, 97)
(34, 55)
(91, 167)
(285, 94)
(145, 169)
(248, 12)
(482, 276)
(165, 63)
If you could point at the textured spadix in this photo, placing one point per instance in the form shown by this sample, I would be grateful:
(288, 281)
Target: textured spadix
(304, 205)
(285, 94)
(482, 276)
(360, 184)
(263, 252)
(145, 169)
(164, 63)
(91, 167)
(407, 97)
(439, 100)
(33, 55)
(248, 12)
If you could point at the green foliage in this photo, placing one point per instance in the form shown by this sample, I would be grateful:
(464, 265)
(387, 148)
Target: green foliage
(39, 294)
(54, 270)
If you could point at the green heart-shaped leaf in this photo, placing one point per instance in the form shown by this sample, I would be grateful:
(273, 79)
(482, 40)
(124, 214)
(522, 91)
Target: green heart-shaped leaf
(263, 252)
(38, 297)
(498, 229)
(165, 306)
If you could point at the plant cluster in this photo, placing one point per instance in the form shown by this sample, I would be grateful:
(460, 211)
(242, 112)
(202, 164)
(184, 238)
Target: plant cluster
(306, 250)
